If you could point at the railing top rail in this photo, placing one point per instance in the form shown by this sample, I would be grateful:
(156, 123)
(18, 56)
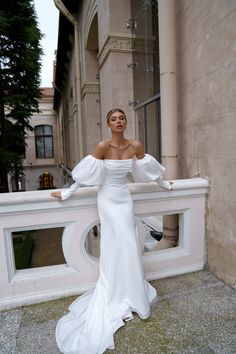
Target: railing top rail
(31, 197)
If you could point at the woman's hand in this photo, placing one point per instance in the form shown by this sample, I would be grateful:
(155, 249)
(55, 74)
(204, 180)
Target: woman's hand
(56, 195)
(164, 184)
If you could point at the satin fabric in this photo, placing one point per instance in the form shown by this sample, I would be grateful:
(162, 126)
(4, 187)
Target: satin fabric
(121, 289)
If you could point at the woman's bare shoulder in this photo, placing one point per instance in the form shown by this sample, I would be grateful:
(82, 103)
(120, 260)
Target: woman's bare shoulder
(100, 149)
(138, 148)
(103, 145)
(136, 144)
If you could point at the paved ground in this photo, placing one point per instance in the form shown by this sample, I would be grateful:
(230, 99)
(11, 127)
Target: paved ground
(195, 313)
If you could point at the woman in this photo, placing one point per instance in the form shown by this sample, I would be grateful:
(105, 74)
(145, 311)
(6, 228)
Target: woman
(121, 288)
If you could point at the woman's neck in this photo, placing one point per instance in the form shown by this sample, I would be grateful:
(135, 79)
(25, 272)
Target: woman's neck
(118, 139)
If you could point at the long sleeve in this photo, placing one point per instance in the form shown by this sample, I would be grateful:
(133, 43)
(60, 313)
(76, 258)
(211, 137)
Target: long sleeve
(148, 169)
(67, 193)
(163, 184)
(88, 172)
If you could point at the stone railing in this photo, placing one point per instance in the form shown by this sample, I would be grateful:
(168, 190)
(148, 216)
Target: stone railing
(38, 210)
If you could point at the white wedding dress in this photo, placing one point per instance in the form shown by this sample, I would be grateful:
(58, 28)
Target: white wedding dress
(121, 289)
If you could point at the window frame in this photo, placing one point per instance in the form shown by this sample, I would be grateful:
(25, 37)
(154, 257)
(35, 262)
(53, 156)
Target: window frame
(43, 137)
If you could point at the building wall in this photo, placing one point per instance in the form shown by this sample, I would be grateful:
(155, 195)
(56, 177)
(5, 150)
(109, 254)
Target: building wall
(33, 167)
(114, 86)
(68, 114)
(109, 62)
(107, 78)
(206, 37)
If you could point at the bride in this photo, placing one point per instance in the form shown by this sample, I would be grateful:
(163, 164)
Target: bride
(121, 289)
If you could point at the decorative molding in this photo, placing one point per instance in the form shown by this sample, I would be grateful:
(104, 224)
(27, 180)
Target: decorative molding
(90, 87)
(120, 43)
(75, 109)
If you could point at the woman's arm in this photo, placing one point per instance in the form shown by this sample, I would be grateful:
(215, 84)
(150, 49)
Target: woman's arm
(138, 149)
(65, 194)
(139, 152)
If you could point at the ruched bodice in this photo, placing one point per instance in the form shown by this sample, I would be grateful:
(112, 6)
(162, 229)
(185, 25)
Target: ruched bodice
(115, 171)
(95, 172)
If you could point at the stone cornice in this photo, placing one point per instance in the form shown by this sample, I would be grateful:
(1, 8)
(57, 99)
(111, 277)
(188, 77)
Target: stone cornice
(117, 42)
(90, 87)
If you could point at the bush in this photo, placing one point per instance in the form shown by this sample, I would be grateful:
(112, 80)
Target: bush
(22, 250)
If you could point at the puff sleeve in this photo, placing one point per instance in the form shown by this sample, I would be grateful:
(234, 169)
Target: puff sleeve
(148, 169)
(88, 172)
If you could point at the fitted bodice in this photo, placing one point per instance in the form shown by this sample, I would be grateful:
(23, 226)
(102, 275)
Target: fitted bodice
(116, 171)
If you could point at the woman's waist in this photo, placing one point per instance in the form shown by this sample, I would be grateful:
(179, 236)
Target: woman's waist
(119, 181)
(115, 185)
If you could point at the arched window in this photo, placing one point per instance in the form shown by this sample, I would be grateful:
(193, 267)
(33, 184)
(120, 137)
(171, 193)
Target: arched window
(43, 141)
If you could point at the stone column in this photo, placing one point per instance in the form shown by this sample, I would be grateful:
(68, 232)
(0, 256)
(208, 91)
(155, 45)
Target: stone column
(115, 62)
(167, 50)
(78, 122)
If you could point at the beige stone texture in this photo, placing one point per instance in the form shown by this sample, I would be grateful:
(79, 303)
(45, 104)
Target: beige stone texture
(120, 12)
(105, 54)
(91, 114)
(206, 79)
(106, 49)
(90, 76)
(90, 64)
(103, 20)
(116, 81)
(68, 114)
(32, 175)
(33, 167)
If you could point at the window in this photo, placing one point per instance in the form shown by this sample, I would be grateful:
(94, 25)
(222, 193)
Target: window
(44, 141)
(45, 181)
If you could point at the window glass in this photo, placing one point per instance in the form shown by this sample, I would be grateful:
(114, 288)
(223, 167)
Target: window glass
(39, 130)
(44, 141)
(48, 146)
(47, 130)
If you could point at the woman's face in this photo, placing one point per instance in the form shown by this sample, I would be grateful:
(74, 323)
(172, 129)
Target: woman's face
(117, 122)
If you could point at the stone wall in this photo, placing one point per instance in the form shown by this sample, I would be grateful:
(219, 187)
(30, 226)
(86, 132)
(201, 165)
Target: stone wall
(33, 166)
(206, 59)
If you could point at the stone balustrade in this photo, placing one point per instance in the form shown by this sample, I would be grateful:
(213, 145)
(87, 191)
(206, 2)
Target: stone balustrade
(38, 210)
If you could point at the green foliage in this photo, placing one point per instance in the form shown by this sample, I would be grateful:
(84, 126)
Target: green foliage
(22, 251)
(19, 81)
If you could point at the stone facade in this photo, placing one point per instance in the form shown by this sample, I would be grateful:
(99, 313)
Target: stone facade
(107, 50)
(33, 166)
(206, 58)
